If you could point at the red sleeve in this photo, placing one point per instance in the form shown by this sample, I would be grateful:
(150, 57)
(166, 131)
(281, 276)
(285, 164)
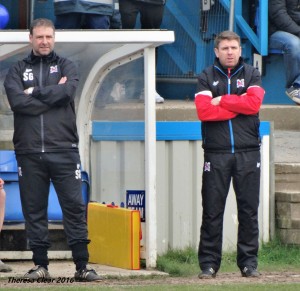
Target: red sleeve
(248, 103)
(208, 112)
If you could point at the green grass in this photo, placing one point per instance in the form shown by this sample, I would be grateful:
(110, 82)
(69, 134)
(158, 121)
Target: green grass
(231, 287)
(273, 256)
(165, 287)
(179, 262)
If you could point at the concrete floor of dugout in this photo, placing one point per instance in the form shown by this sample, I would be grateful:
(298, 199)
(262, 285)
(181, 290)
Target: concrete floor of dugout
(286, 146)
(66, 269)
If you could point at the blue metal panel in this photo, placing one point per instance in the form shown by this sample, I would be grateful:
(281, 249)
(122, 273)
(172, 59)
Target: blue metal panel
(44, 9)
(187, 36)
(8, 161)
(260, 39)
(118, 130)
(273, 81)
(165, 130)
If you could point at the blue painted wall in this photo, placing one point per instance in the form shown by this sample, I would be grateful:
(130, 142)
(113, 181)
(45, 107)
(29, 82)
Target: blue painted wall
(274, 80)
(165, 130)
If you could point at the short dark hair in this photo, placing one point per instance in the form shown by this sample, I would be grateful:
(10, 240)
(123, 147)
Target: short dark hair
(226, 35)
(41, 22)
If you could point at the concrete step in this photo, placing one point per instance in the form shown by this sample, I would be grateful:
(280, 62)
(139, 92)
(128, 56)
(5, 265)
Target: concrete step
(286, 146)
(287, 202)
(290, 236)
(284, 117)
(287, 177)
(288, 205)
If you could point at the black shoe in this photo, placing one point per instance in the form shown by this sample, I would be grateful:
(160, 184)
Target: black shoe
(208, 273)
(37, 272)
(250, 271)
(87, 275)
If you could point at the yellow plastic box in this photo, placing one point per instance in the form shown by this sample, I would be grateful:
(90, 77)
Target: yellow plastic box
(115, 235)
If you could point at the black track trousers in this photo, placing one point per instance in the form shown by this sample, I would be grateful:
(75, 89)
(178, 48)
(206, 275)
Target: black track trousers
(35, 172)
(243, 169)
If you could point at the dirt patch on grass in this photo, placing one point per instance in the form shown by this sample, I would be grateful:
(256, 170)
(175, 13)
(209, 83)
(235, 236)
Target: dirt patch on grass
(221, 278)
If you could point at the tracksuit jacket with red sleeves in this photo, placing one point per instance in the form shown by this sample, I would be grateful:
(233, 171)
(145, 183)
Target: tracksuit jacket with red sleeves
(233, 125)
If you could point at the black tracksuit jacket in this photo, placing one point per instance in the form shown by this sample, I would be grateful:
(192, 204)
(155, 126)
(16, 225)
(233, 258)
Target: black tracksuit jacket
(45, 120)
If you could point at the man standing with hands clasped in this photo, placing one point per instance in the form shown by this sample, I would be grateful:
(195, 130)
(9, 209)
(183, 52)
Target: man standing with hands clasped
(228, 101)
(41, 90)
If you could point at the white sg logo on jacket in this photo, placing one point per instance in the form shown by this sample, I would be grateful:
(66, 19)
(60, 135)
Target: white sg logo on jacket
(78, 172)
(28, 75)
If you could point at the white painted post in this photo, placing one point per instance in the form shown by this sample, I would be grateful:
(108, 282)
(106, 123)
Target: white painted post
(265, 188)
(150, 157)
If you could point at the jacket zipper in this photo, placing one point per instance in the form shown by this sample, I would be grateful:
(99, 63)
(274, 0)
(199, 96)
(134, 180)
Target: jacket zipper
(42, 115)
(229, 121)
(229, 92)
